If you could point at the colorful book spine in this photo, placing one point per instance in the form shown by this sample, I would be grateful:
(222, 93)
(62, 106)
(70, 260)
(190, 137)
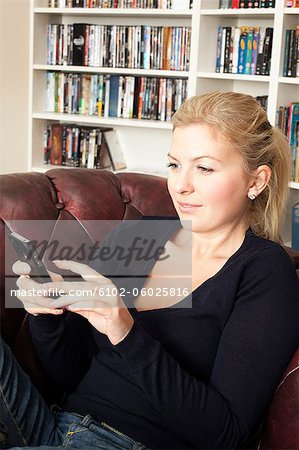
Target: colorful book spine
(248, 53)
(242, 51)
(255, 45)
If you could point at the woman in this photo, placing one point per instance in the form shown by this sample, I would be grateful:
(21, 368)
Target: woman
(170, 376)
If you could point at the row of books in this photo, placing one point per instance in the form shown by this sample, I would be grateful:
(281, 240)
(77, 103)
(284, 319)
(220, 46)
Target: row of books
(246, 4)
(154, 4)
(291, 53)
(92, 148)
(287, 119)
(114, 95)
(136, 47)
(244, 50)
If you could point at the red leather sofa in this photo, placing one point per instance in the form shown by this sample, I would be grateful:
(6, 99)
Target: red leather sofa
(83, 194)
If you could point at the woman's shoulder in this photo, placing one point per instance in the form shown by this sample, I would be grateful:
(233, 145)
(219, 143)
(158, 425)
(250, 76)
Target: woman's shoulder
(265, 257)
(267, 248)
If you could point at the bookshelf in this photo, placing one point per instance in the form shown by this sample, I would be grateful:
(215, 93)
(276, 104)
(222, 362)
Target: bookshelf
(145, 142)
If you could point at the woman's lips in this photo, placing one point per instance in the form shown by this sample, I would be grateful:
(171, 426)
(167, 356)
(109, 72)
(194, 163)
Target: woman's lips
(188, 207)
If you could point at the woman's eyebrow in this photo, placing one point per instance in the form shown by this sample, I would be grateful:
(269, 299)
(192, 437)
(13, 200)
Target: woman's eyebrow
(196, 157)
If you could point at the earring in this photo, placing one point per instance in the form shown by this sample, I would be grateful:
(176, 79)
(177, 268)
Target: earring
(251, 196)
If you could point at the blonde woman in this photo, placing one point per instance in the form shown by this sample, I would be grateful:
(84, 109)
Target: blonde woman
(157, 374)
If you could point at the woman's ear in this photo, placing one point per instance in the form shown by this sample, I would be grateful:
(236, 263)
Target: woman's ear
(260, 180)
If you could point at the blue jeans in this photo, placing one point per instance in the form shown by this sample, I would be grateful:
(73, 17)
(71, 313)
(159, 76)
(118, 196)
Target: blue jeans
(26, 421)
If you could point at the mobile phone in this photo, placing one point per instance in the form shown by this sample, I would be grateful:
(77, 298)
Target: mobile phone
(27, 253)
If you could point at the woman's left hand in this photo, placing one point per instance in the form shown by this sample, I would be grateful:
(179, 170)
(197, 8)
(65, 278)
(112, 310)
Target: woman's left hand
(96, 299)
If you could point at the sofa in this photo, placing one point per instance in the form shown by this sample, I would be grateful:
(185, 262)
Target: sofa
(82, 195)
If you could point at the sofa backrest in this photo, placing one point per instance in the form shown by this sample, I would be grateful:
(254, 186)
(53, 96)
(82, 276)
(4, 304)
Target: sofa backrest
(89, 195)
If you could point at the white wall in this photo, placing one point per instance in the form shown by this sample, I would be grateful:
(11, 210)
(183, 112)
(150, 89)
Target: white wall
(14, 70)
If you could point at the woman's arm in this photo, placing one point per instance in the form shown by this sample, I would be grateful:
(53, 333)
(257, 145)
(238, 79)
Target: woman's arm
(65, 346)
(256, 344)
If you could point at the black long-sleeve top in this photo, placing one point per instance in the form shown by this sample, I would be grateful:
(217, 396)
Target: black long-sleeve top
(184, 378)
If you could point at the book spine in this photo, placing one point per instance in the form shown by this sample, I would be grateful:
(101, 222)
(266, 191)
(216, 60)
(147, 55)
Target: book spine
(236, 50)
(56, 148)
(255, 45)
(267, 52)
(286, 53)
(222, 55)
(291, 55)
(242, 51)
(248, 59)
(218, 50)
(259, 61)
(227, 50)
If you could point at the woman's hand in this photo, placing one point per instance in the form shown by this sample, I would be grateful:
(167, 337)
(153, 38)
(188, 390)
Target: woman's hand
(96, 299)
(34, 304)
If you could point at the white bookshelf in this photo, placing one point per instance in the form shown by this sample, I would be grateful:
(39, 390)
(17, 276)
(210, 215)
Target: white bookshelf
(146, 142)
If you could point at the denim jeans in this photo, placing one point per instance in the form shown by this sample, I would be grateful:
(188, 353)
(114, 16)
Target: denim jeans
(27, 422)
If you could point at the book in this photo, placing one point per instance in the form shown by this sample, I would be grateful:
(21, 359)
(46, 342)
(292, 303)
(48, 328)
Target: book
(236, 50)
(296, 152)
(291, 62)
(293, 118)
(267, 51)
(115, 149)
(227, 50)
(259, 60)
(242, 50)
(114, 95)
(255, 44)
(248, 59)
(295, 226)
(218, 49)
(56, 145)
(286, 52)
(47, 144)
(104, 160)
(78, 44)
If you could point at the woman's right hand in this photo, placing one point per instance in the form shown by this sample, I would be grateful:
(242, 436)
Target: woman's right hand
(34, 304)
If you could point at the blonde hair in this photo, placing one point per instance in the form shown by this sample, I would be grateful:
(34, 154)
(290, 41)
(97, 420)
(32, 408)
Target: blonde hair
(243, 122)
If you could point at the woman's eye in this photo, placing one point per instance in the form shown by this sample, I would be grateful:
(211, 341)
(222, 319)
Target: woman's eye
(204, 169)
(172, 165)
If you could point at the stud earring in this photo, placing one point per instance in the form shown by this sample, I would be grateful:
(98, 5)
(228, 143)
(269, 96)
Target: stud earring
(252, 196)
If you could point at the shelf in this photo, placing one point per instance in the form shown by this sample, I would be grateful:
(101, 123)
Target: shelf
(291, 10)
(294, 185)
(100, 121)
(266, 13)
(233, 76)
(116, 70)
(45, 167)
(115, 12)
(289, 80)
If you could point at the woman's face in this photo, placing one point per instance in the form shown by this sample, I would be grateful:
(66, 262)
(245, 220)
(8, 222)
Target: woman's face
(206, 181)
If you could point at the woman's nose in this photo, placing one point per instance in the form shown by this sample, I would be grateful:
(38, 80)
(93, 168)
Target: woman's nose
(183, 182)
